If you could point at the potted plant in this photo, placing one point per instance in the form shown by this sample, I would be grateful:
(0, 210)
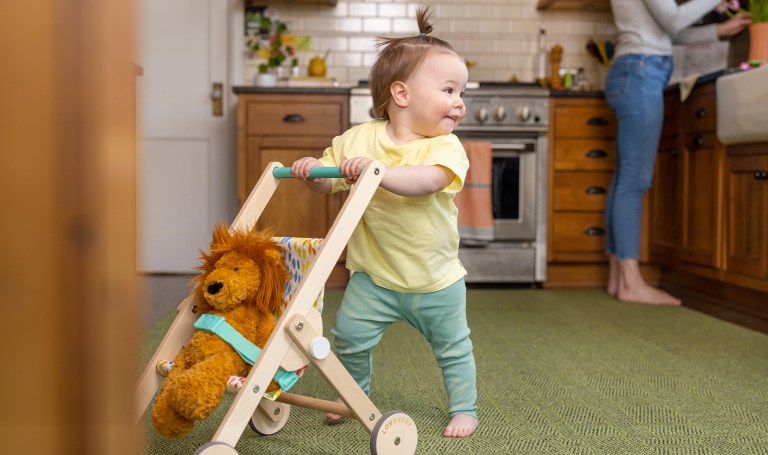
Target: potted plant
(758, 31)
(272, 48)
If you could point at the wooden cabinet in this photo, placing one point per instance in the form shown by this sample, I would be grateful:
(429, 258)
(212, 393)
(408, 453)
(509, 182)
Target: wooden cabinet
(688, 183)
(582, 157)
(709, 212)
(746, 226)
(283, 127)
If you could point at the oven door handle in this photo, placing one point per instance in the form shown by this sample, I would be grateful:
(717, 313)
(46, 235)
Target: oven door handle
(518, 147)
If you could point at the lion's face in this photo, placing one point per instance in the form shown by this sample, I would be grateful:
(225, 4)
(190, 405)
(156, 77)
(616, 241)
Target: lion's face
(235, 279)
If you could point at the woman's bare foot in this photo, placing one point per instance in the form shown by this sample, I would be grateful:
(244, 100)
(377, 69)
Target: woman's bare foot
(648, 295)
(461, 426)
(633, 288)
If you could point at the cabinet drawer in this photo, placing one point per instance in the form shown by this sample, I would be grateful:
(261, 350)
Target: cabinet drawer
(581, 191)
(585, 121)
(699, 113)
(285, 119)
(585, 154)
(579, 232)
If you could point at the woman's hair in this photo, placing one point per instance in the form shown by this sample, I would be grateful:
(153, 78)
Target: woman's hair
(400, 57)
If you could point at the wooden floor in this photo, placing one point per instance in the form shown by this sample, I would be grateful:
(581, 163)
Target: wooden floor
(160, 293)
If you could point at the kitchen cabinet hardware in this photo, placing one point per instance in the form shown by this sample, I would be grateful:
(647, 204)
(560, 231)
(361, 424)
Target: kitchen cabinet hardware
(293, 118)
(698, 140)
(761, 175)
(597, 153)
(701, 112)
(595, 230)
(597, 121)
(674, 152)
(595, 190)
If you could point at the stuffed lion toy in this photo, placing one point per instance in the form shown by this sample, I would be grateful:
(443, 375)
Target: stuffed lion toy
(243, 279)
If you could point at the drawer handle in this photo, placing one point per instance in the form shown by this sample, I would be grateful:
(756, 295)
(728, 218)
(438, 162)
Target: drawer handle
(698, 140)
(701, 112)
(594, 230)
(673, 152)
(597, 153)
(761, 175)
(596, 190)
(597, 121)
(293, 118)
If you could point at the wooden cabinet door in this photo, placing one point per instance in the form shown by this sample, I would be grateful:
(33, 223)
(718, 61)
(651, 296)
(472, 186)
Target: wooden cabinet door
(700, 242)
(294, 210)
(666, 199)
(747, 216)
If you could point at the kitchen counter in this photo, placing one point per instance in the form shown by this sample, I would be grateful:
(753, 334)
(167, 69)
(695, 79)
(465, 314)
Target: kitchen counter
(577, 94)
(246, 89)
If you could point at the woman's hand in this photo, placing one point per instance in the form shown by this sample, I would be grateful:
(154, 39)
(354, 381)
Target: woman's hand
(734, 25)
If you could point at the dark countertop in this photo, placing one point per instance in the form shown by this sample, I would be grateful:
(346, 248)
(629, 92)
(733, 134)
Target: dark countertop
(577, 94)
(247, 89)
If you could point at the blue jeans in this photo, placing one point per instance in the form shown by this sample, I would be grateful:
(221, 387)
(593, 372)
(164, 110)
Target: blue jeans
(635, 90)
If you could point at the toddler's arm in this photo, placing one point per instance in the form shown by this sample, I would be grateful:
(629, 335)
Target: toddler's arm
(408, 181)
(300, 170)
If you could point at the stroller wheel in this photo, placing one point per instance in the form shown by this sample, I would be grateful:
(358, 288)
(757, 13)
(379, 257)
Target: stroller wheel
(269, 417)
(394, 434)
(215, 448)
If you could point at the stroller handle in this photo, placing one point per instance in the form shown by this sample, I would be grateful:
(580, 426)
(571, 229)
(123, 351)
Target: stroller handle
(319, 172)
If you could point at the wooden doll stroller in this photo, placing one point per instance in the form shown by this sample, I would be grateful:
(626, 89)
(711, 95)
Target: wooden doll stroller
(297, 338)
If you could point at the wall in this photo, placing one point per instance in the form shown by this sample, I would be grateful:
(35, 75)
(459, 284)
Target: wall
(499, 35)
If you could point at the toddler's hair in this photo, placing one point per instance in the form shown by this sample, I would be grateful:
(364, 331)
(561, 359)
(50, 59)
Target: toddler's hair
(400, 57)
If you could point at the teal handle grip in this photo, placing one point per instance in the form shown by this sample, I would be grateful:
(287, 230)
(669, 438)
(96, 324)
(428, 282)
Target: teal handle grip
(319, 172)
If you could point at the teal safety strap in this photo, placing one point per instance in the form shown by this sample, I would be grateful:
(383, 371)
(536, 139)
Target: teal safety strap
(217, 325)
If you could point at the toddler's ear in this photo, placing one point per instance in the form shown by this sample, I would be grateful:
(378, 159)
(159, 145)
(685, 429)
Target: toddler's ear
(399, 92)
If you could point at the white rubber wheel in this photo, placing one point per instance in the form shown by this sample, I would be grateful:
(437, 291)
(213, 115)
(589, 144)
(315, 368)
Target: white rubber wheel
(265, 425)
(215, 448)
(394, 434)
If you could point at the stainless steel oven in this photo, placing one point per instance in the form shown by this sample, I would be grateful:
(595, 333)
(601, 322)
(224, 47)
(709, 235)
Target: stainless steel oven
(514, 119)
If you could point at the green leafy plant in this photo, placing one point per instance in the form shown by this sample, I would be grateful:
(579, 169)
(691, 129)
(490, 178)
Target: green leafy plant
(757, 8)
(275, 49)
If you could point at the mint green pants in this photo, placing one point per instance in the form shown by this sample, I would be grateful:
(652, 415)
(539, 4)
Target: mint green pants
(367, 310)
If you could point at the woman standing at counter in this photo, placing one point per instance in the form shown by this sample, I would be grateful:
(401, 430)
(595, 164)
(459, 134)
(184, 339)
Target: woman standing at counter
(634, 89)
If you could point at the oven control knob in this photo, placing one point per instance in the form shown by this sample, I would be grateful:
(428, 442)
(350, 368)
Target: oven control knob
(482, 115)
(501, 114)
(523, 113)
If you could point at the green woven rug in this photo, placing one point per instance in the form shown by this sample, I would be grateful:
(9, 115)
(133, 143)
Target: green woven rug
(559, 372)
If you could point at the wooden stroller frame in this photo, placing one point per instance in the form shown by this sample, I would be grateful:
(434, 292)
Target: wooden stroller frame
(295, 332)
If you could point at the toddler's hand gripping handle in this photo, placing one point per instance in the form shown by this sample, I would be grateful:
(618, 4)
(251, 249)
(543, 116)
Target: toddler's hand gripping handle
(319, 172)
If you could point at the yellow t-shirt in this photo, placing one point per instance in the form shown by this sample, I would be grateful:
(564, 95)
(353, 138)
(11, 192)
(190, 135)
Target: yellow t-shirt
(406, 244)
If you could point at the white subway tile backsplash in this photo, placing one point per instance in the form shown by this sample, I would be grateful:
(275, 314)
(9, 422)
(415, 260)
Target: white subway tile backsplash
(377, 25)
(363, 9)
(392, 10)
(500, 35)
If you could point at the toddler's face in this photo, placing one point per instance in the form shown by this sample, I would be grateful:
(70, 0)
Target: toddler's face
(435, 90)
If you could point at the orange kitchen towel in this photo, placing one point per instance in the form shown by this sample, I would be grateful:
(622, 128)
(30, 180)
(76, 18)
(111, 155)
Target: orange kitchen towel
(474, 200)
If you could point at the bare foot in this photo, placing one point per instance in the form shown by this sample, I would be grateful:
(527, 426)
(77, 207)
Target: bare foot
(461, 426)
(648, 295)
(334, 418)
(633, 288)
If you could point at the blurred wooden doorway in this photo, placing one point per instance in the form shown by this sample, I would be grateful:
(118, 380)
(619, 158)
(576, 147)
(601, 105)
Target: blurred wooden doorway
(67, 183)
